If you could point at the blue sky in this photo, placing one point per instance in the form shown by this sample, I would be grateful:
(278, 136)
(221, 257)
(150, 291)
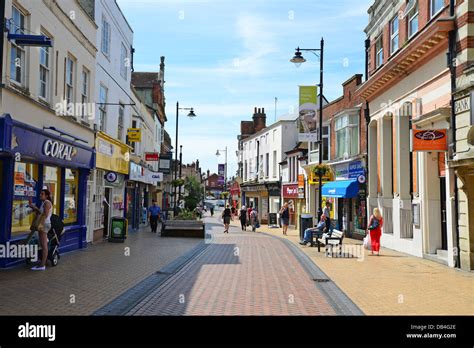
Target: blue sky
(226, 57)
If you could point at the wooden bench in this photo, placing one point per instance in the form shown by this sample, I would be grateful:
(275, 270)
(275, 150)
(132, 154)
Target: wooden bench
(183, 228)
(335, 239)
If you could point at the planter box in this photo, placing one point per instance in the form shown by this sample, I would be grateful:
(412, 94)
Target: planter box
(183, 228)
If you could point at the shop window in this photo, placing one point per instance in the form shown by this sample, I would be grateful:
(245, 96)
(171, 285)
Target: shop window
(52, 182)
(25, 191)
(71, 196)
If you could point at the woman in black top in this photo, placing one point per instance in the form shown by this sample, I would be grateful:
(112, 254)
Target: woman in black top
(285, 217)
(226, 215)
(243, 218)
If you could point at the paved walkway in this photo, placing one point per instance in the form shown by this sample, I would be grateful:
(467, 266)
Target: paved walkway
(87, 279)
(393, 283)
(243, 274)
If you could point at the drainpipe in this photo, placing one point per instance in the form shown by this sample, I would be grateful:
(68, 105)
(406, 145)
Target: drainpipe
(367, 47)
(367, 121)
(452, 68)
(2, 38)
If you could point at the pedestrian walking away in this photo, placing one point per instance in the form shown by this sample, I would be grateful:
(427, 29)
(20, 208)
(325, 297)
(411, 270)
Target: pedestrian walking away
(249, 211)
(254, 220)
(43, 225)
(375, 230)
(243, 218)
(285, 217)
(211, 209)
(226, 215)
(154, 215)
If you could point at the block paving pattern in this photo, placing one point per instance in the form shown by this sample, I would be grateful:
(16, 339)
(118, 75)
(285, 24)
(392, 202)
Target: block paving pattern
(94, 275)
(238, 274)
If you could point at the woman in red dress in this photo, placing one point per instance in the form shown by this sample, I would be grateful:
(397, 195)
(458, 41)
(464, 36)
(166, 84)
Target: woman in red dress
(375, 229)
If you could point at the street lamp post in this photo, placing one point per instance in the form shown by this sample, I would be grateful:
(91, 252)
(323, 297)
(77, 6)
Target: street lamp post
(191, 115)
(225, 167)
(298, 60)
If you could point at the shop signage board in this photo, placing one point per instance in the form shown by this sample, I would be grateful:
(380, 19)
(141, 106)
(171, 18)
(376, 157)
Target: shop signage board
(152, 156)
(134, 135)
(290, 191)
(352, 170)
(164, 165)
(433, 140)
(46, 147)
(111, 154)
(301, 186)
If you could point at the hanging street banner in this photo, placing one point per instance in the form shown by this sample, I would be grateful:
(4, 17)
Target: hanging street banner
(308, 105)
(221, 173)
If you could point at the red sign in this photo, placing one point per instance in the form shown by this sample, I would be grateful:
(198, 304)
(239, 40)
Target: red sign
(430, 140)
(152, 156)
(290, 191)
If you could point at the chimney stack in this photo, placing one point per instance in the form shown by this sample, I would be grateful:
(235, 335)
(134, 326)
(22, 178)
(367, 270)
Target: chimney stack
(259, 119)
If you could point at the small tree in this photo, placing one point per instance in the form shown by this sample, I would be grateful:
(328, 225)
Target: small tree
(194, 193)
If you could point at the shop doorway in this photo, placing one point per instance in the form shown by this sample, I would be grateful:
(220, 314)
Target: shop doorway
(106, 203)
(444, 225)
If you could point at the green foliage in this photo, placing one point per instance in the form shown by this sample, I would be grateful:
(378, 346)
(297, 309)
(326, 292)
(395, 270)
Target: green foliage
(185, 214)
(194, 193)
(178, 182)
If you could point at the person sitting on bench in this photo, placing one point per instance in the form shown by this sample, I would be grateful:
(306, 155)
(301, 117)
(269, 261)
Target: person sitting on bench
(308, 234)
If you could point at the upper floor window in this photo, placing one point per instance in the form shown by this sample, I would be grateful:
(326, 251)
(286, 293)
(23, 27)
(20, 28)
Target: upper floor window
(44, 72)
(123, 61)
(314, 147)
(379, 51)
(102, 107)
(347, 136)
(69, 80)
(120, 127)
(413, 20)
(17, 54)
(105, 44)
(84, 91)
(394, 30)
(436, 6)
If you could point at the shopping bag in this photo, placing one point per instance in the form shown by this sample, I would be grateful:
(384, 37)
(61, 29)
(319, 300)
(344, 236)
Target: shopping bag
(367, 242)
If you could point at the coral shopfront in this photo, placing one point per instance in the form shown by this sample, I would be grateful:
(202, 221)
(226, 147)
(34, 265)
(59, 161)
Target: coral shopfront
(32, 159)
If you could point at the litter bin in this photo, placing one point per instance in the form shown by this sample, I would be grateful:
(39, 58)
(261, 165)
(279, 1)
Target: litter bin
(306, 221)
(118, 229)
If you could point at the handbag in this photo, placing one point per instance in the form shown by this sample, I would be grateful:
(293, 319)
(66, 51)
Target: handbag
(367, 242)
(375, 223)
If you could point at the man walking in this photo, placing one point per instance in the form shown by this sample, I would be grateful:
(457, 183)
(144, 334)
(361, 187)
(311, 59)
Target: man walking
(154, 213)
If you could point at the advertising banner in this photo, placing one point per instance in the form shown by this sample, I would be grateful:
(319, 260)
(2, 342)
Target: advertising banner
(308, 104)
(221, 173)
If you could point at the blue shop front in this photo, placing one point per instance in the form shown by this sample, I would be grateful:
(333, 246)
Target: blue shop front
(32, 159)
